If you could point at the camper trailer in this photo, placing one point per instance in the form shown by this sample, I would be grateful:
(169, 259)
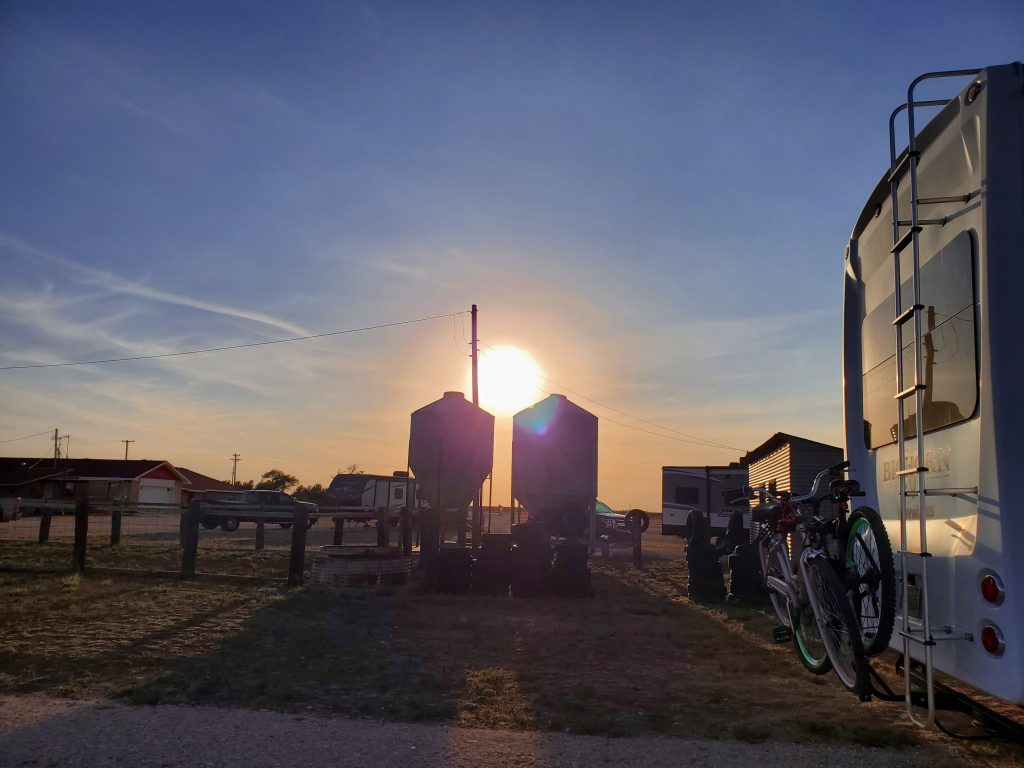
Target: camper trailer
(932, 375)
(371, 492)
(686, 491)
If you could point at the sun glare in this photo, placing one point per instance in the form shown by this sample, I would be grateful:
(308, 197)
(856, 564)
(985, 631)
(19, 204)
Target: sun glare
(510, 380)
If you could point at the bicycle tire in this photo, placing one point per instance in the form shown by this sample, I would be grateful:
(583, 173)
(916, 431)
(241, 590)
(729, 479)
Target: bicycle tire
(810, 648)
(837, 625)
(870, 578)
(776, 566)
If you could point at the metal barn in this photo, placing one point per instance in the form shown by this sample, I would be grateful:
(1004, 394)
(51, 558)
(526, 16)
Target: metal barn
(789, 462)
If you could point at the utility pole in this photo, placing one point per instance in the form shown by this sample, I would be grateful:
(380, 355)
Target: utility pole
(56, 447)
(126, 448)
(473, 355)
(235, 458)
(478, 501)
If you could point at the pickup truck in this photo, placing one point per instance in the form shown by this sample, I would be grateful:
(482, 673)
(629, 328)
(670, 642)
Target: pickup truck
(275, 507)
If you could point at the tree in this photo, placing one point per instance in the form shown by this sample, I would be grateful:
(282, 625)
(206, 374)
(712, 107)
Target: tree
(244, 485)
(314, 493)
(352, 469)
(276, 480)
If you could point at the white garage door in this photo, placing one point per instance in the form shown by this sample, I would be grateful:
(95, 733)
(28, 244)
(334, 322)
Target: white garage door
(156, 492)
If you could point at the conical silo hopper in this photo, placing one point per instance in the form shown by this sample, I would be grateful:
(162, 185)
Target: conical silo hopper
(451, 450)
(554, 458)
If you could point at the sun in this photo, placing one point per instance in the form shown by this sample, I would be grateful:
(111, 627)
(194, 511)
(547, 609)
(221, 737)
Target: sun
(510, 380)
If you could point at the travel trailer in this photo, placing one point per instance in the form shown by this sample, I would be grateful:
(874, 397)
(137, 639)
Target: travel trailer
(372, 491)
(690, 491)
(932, 375)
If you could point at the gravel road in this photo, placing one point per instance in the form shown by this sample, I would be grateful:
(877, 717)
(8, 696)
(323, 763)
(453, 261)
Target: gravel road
(38, 731)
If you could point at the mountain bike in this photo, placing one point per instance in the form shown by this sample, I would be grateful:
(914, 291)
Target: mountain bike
(810, 586)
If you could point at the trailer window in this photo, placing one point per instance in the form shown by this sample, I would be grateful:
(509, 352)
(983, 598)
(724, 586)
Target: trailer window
(689, 496)
(948, 349)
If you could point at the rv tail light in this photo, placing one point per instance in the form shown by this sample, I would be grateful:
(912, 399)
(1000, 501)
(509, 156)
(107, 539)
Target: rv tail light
(992, 639)
(992, 589)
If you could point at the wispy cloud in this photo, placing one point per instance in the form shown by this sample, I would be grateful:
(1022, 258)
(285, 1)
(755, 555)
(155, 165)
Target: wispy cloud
(118, 285)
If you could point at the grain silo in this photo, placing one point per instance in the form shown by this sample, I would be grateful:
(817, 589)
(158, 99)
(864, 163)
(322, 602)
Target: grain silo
(554, 460)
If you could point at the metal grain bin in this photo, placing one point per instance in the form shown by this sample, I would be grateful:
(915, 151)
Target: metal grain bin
(554, 456)
(451, 450)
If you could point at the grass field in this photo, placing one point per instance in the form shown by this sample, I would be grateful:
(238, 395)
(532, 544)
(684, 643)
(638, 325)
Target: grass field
(638, 658)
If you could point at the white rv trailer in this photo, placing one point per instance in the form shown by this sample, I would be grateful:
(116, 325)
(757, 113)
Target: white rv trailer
(934, 267)
(689, 490)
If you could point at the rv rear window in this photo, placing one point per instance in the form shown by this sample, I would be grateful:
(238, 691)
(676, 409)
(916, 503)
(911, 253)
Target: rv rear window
(687, 495)
(948, 349)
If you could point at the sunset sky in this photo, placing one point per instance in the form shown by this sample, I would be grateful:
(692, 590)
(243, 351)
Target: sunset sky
(650, 199)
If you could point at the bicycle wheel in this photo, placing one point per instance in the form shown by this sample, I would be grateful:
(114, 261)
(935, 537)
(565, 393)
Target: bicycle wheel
(836, 623)
(870, 578)
(776, 568)
(810, 648)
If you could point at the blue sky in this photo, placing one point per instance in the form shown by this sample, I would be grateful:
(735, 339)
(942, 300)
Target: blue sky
(651, 198)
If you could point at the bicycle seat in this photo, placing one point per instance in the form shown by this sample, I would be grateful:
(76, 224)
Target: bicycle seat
(764, 512)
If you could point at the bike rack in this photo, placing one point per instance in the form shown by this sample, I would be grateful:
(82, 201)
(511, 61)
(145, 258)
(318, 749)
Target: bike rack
(992, 724)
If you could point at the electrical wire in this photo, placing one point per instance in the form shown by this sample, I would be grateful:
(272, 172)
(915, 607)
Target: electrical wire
(232, 346)
(683, 436)
(26, 437)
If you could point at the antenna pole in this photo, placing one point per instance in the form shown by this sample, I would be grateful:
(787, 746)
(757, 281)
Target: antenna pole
(56, 446)
(235, 458)
(476, 380)
(126, 448)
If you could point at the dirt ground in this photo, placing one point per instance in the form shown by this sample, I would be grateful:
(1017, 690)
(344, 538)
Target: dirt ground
(637, 659)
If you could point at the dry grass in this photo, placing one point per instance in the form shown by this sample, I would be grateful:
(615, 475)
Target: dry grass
(214, 557)
(638, 658)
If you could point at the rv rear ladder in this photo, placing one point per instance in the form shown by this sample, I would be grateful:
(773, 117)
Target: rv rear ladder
(907, 165)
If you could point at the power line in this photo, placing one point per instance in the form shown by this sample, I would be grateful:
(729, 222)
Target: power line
(232, 346)
(26, 437)
(683, 436)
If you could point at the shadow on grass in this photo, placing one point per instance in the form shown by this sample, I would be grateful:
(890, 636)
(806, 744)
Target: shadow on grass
(629, 661)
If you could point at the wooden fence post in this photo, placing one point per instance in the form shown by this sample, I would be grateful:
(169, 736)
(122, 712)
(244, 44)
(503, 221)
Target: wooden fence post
(115, 526)
(190, 541)
(406, 531)
(44, 525)
(339, 531)
(81, 536)
(383, 527)
(261, 532)
(297, 559)
(638, 555)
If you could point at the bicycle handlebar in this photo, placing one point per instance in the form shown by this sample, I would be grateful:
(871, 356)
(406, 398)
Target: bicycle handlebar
(835, 469)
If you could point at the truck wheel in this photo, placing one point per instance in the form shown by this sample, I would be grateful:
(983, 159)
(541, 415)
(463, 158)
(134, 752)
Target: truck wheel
(310, 522)
(209, 523)
(286, 526)
(229, 524)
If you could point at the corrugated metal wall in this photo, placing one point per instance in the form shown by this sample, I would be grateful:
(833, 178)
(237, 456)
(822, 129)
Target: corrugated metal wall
(808, 460)
(775, 467)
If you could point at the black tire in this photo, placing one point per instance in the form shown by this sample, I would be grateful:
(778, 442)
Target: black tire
(310, 522)
(286, 526)
(638, 516)
(735, 535)
(870, 578)
(209, 523)
(696, 529)
(229, 524)
(839, 630)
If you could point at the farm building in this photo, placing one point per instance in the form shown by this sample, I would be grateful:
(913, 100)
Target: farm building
(142, 481)
(198, 487)
(789, 462)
